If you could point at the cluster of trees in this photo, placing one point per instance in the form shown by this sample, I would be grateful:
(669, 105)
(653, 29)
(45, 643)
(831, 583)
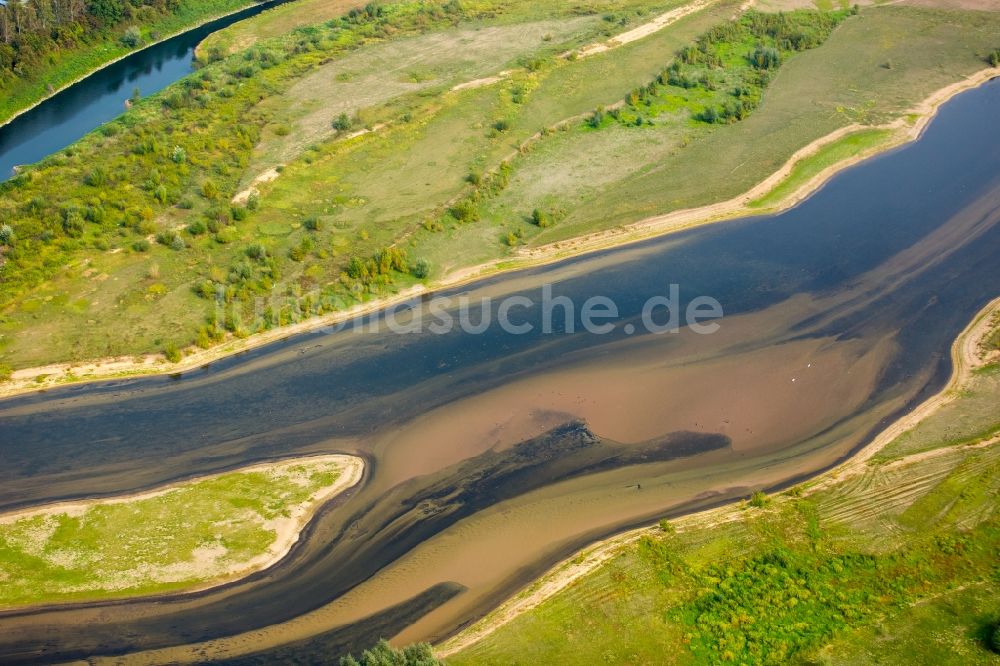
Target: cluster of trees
(32, 29)
(383, 654)
(110, 189)
(795, 586)
(714, 62)
(377, 270)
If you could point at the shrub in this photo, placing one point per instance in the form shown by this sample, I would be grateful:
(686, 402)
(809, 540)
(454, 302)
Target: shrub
(759, 500)
(205, 289)
(209, 190)
(540, 218)
(256, 251)
(383, 654)
(132, 37)
(765, 57)
(239, 213)
(420, 269)
(994, 635)
(666, 527)
(172, 353)
(6, 234)
(141, 245)
(5, 372)
(311, 223)
(465, 210)
(96, 178)
(197, 228)
(994, 58)
(343, 122)
(179, 155)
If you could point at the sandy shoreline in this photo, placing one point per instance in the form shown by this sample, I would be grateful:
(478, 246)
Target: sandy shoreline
(965, 360)
(59, 374)
(287, 530)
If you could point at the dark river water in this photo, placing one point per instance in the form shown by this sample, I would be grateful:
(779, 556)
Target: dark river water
(866, 285)
(70, 114)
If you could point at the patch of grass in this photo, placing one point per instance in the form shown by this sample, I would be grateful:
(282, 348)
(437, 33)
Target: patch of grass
(784, 585)
(193, 533)
(970, 418)
(891, 566)
(951, 629)
(809, 167)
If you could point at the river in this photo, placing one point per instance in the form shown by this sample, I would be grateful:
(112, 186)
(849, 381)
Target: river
(493, 455)
(64, 118)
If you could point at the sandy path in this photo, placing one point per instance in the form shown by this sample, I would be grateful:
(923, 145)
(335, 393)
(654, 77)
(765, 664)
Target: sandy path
(647, 29)
(966, 358)
(287, 528)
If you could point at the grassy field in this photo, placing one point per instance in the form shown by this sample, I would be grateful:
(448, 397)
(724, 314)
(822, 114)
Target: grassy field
(127, 243)
(891, 565)
(829, 155)
(69, 64)
(194, 533)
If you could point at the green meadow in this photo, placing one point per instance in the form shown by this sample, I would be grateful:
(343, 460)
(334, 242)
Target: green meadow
(193, 533)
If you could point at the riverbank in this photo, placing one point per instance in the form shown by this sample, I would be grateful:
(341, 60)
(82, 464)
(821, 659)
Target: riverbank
(187, 536)
(79, 73)
(966, 359)
(906, 129)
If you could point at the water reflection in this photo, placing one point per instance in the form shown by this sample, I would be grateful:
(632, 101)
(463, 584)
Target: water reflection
(69, 115)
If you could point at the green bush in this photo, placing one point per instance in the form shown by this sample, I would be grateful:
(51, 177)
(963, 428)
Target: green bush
(343, 123)
(132, 37)
(994, 637)
(420, 269)
(383, 654)
(465, 210)
(171, 353)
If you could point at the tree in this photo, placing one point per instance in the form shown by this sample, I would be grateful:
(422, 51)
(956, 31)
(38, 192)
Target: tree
(383, 654)
(420, 269)
(108, 11)
(343, 122)
(765, 57)
(132, 38)
(209, 190)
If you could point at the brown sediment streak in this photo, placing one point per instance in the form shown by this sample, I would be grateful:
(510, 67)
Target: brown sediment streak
(965, 359)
